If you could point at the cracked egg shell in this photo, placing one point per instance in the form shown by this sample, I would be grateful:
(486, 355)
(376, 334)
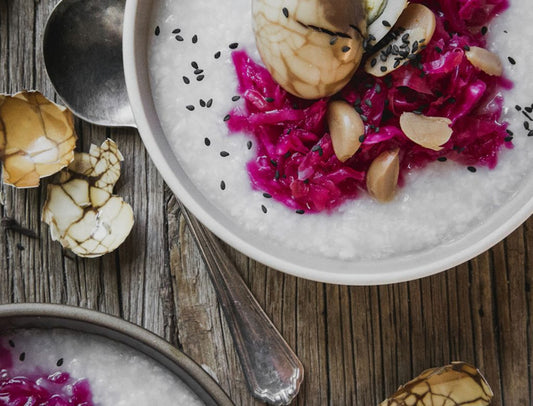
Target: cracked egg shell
(101, 164)
(37, 138)
(81, 210)
(452, 385)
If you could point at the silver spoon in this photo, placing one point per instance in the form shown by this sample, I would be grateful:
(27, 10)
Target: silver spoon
(82, 50)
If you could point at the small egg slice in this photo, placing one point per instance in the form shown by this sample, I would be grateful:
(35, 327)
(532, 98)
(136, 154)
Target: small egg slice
(428, 132)
(37, 138)
(485, 60)
(413, 30)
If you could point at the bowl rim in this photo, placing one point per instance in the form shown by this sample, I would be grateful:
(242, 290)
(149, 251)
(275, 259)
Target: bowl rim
(45, 315)
(502, 222)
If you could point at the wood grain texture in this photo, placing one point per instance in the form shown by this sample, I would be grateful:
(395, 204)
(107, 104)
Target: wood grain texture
(356, 343)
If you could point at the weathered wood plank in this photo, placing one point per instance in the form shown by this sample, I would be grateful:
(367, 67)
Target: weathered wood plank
(357, 343)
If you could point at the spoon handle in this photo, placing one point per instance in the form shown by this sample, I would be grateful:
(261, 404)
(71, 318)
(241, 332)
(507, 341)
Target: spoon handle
(272, 370)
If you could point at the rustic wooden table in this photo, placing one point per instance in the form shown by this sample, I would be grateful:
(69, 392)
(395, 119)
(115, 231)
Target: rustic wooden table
(357, 343)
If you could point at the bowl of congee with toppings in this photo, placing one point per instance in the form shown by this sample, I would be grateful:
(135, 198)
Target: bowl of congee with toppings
(58, 355)
(351, 142)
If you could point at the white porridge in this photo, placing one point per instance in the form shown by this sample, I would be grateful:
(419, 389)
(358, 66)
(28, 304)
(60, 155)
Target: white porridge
(193, 92)
(116, 374)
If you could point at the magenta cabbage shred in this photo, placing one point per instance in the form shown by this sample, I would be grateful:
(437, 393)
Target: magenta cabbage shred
(40, 389)
(295, 161)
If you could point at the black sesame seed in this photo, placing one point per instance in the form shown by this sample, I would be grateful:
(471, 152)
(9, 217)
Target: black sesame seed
(217, 55)
(269, 99)
(202, 103)
(373, 62)
(466, 48)
(267, 195)
(264, 208)
(471, 169)
(484, 30)
(383, 69)
(508, 139)
(199, 78)
(529, 109)
(509, 132)
(235, 98)
(22, 356)
(198, 71)
(190, 107)
(385, 23)
(300, 211)
(222, 185)
(176, 31)
(530, 134)
(526, 125)
(378, 88)
(512, 61)
(207, 141)
(233, 45)
(368, 102)
(285, 12)
(227, 117)
(209, 103)
(363, 117)
(362, 138)
(333, 40)
(518, 108)
(249, 145)
(345, 48)
(194, 64)
(59, 362)
(274, 163)
(442, 159)
(224, 154)
(179, 38)
(11, 343)
(194, 39)
(276, 175)
(157, 30)
(397, 63)
(186, 80)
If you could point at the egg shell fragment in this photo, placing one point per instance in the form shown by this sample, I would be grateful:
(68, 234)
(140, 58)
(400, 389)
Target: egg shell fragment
(37, 138)
(83, 214)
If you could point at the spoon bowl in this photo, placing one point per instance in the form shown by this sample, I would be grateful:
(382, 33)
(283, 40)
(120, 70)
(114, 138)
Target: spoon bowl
(82, 51)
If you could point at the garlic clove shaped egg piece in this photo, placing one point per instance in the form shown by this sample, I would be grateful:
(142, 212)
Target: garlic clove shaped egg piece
(83, 214)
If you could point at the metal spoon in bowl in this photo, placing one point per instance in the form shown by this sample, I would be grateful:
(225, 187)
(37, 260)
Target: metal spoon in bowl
(82, 50)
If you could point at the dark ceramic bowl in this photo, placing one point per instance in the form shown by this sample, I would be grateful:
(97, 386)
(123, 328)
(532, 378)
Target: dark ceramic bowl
(48, 316)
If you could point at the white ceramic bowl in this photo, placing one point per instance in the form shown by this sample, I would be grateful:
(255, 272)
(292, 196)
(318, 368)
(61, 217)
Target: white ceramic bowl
(402, 268)
(53, 316)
